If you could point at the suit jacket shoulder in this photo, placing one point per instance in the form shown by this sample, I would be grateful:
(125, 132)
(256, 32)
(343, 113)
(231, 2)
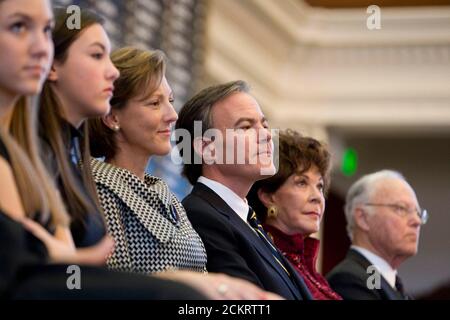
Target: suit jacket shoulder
(234, 248)
(221, 242)
(351, 279)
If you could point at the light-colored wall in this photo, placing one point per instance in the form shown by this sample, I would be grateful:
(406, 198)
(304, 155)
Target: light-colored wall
(312, 68)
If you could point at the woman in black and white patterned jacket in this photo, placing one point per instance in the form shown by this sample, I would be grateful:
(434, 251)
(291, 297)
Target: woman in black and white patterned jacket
(149, 225)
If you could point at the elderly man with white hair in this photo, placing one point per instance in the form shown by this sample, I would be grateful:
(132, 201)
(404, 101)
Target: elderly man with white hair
(383, 222)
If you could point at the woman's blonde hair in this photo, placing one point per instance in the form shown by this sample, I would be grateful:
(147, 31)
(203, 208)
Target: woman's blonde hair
(39, 196)
(141, 73)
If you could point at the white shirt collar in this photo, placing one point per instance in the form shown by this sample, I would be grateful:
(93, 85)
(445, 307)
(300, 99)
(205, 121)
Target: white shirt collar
(382, 266)
(239, 205)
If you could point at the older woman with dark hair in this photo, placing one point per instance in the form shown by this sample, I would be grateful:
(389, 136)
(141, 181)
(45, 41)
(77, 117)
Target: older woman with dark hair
(291, 205)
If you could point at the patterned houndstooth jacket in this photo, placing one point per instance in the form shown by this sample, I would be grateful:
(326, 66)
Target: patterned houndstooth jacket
(149, 225)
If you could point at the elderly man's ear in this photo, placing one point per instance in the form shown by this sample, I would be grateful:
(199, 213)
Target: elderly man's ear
(361, 219)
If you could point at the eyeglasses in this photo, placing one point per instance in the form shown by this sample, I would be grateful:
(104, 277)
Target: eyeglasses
(403, 211)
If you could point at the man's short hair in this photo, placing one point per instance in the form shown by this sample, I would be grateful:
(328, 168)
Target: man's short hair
(362, 190)
(199, 108)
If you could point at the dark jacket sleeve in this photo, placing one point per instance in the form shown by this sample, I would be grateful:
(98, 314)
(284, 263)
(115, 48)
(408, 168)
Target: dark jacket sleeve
(18, 248)
(220, 241)
(351, 287)
(9, 254)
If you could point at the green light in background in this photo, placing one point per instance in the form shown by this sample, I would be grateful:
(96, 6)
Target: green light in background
(349, 162)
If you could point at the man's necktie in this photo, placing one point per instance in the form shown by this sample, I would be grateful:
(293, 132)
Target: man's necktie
(256, 225)
(400, 288)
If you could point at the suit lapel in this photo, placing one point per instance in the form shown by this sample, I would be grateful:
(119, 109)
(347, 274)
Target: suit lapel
(222, 207)
(117, 181)
(266, 254)
(390, 292)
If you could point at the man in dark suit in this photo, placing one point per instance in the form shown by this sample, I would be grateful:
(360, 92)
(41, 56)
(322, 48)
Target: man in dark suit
(383, 222)
(222, 172)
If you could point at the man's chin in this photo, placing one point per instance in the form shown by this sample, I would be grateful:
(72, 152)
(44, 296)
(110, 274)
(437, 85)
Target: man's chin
(267, 171)
(410, 252)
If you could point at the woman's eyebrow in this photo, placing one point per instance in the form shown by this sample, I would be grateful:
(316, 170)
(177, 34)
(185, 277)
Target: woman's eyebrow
(98, 44)
(20, 15)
